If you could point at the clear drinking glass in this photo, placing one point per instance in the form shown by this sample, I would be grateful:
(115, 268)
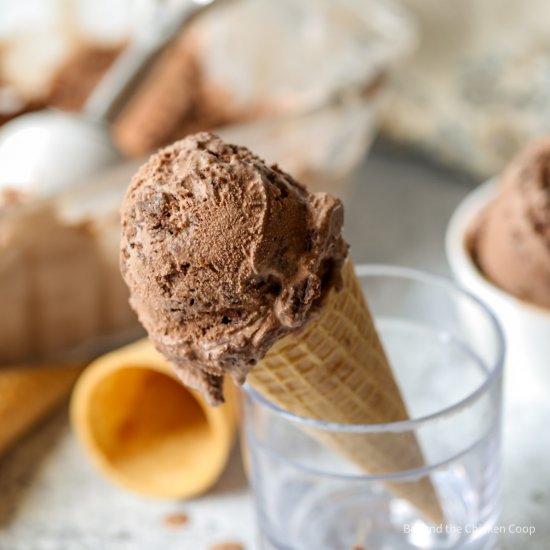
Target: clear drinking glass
(446, 350)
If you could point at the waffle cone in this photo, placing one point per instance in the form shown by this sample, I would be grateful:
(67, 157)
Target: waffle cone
(27, 394)
(144, 430)
(336, 370)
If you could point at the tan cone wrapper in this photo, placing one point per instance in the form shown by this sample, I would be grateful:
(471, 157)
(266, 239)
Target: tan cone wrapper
(27, 394)
(145, 431)
(336, 370)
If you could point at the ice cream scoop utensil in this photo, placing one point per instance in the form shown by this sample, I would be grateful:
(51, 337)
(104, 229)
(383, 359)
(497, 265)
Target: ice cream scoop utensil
(45, 152)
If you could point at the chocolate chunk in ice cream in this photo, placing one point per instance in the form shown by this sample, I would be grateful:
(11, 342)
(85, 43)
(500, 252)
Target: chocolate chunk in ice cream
(510, 241)
(223, 255)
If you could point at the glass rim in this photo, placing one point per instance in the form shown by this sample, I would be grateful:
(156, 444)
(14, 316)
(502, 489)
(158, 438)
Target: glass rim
(366, 270)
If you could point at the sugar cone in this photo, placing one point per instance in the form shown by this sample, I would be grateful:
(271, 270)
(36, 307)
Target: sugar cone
(145, 431)
(27, 394)
(336, 370)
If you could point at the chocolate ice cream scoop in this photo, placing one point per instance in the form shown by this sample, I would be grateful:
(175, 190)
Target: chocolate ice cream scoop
(223, 255)
(511, 239)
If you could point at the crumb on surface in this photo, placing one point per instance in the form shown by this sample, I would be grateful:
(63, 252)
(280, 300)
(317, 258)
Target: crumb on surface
(176, 519)
(227, 546)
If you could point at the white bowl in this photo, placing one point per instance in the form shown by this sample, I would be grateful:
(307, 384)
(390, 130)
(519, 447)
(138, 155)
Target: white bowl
(526, 326)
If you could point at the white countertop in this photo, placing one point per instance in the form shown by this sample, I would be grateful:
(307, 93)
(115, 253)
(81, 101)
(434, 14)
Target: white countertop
(51, 499)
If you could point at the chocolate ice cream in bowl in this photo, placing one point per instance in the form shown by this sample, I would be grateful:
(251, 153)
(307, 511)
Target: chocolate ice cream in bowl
(498, 246)
(304, 91)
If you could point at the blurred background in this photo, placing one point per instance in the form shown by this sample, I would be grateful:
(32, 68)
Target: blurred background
(474, 88)
(447, 91)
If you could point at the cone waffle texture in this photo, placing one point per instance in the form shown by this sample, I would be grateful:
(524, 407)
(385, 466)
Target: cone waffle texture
(336, 370)
(27, 394)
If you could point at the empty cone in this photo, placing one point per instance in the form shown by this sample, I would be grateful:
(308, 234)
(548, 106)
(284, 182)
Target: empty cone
(27, 394)
(145, 431)
(336, 370)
